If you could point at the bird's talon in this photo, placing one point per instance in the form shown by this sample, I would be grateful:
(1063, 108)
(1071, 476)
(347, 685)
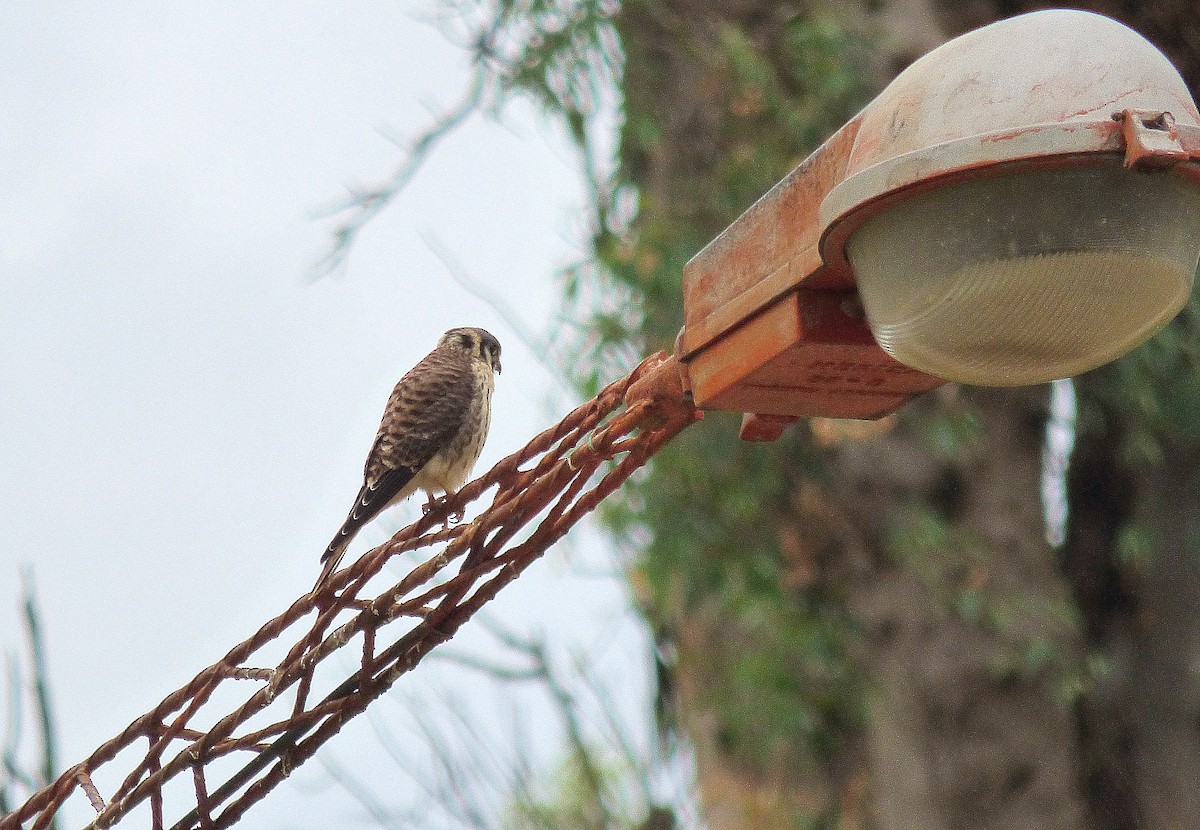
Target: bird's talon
(441, 505)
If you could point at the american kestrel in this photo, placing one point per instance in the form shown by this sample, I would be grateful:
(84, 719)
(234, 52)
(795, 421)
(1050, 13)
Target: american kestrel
(432, 431)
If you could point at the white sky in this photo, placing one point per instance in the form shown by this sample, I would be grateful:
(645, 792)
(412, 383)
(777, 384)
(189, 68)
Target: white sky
(183, 414)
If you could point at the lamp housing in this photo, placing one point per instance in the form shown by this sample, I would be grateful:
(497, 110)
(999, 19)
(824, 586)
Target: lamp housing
(1022, 203)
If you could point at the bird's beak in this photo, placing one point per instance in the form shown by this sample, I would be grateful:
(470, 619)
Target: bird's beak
(496, 365)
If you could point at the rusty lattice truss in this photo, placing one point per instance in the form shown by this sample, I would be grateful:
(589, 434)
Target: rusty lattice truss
(194, 776)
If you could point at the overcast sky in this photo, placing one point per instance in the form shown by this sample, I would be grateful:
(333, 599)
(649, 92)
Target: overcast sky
(184, 414)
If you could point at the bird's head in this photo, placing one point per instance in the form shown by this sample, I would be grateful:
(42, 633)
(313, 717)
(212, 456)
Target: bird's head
(480, 344)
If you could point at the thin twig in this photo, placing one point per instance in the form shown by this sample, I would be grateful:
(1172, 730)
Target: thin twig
(493, 300)
(359, 793)
(9, 768)
(615, 725)
(41, 679)
(363, 205)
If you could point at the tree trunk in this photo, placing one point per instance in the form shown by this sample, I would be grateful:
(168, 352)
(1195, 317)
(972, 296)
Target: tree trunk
(972, 637)
(1164, 694)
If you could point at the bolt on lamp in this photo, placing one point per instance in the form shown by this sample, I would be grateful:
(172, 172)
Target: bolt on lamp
(1019, 205)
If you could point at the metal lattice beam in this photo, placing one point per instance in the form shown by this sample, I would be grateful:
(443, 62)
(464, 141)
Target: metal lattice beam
(540, 493)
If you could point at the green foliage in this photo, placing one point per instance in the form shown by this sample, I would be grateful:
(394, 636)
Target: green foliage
(706, 518)
(1028, 632)
(946, 558)
(706, 523)
(568, 802)
(797, 88)
(1147, 400)
(708, 503)
(949, 431)
(1135, 547)
(562, 53)
(787, 684)
(1033, 631)
(770, 96)
(1074, 685)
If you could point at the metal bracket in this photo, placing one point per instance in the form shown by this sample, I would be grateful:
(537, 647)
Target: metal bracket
(1151, 139)
(764, 427)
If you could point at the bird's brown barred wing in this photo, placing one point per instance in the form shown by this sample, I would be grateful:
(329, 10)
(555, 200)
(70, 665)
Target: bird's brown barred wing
(426, 410)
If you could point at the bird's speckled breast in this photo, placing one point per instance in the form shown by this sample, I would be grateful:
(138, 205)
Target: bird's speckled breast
(451, 467)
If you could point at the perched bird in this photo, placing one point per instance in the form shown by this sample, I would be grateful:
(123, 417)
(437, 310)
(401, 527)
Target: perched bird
(432, 431)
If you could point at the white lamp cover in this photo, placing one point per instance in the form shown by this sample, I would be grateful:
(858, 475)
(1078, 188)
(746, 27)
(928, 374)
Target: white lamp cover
(993, 233)
(1024, 277)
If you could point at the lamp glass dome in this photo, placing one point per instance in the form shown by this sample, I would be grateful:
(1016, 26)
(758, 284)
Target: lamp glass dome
(1026, 276)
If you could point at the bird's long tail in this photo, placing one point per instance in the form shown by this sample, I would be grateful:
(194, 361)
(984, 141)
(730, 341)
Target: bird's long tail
(332, 557)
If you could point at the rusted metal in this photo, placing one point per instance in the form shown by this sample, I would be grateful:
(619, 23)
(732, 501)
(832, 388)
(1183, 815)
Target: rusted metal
(156, 799)
(764, 427)
(89, 790)
(762, 335)
(771, 329)
(1151, 139)
(661, 382)
(203, 810)
(559, 477)
(767, 252)
(808, 354)
(247, 673)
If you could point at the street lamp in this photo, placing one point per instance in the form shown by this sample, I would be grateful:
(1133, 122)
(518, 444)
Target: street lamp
(1021, 204)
